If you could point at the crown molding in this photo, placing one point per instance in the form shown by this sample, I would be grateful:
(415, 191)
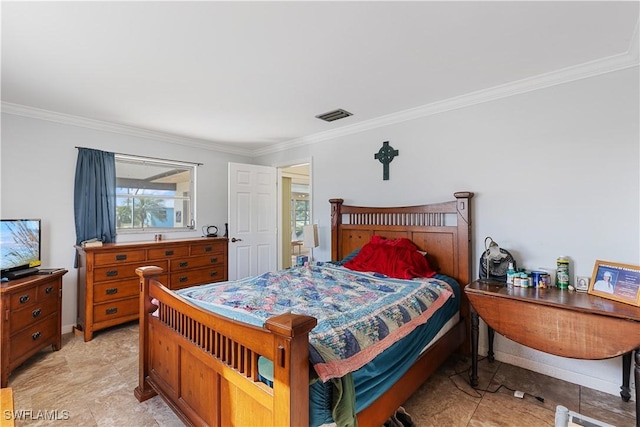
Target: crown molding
(68, 119)
(566, 75)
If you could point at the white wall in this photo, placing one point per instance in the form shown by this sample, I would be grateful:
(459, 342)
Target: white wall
(555, 172)
(37, 168)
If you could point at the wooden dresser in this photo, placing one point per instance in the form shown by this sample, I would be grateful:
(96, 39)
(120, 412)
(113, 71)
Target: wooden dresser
(31, 318)
(108, 287)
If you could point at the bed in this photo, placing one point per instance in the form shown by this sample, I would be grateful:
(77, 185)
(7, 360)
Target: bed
(207, 367)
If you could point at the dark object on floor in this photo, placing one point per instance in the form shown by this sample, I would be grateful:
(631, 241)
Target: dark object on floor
(400, 419)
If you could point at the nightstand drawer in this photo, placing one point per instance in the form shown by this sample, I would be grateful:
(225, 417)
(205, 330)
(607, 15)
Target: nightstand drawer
(21, 319)
(24, 298)
(48, 291)
(115, 309)
(119, 257)
(30, 338)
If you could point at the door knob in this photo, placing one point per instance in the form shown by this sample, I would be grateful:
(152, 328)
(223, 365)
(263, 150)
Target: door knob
(233, 239)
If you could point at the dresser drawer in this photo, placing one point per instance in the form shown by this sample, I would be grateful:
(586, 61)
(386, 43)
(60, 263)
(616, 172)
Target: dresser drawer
(32, 337)
(20, 319)
(197, 277)
(109, 291)
(24, 298)
(170, 252)
(208, 248)
(198, 261)
(48, 291)
(115, 309)
(116, 290)
(125, 271)
(119, 257)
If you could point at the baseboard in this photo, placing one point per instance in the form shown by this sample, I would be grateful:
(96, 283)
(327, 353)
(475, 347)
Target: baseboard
(562, 374)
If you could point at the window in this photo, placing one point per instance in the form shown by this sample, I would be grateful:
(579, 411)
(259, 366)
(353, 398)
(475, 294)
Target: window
(300, 210)
(154, 194)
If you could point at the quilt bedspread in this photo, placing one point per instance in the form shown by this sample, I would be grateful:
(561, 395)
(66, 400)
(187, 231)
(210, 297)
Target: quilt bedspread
(359, 314)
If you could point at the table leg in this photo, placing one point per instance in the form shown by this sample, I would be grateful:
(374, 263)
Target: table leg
(475, 321)
(637, 377)
(491, 333)
(625, 392)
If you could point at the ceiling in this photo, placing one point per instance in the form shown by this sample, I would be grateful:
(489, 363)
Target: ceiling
(250, 77)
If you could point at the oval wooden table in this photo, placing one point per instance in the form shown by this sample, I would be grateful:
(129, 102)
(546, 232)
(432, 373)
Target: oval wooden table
(555, 321)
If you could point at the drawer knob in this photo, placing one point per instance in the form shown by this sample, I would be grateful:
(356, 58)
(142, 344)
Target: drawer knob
(112, 310)
(121, 257)
(214, 259)
(183, 279)
(24, 298)
(48, 290)
(35, 336)
(168, 253)
(112, 273)
(208, 249)
(35, 313)
(112, 291)
(213, 273)
(183, 263)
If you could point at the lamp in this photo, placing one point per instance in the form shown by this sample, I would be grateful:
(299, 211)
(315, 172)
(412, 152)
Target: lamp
(310, 236)
(491, 253)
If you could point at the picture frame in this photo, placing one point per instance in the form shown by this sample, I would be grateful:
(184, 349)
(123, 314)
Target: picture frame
(582, 283)
(616, 281)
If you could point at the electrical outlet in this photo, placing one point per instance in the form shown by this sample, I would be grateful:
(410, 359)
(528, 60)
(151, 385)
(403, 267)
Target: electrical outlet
(519, 394)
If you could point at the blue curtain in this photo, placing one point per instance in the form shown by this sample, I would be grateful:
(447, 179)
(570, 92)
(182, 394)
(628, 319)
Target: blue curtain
(95, 196)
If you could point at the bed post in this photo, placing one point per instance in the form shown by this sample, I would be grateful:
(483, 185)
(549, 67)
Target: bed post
(336, 222)
(144, 391)
(291, 368)
(465, 268)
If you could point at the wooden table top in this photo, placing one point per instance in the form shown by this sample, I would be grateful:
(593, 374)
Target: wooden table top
(555, 297)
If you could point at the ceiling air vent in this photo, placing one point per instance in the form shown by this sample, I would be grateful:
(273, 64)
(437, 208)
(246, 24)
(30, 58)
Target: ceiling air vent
(334, 115)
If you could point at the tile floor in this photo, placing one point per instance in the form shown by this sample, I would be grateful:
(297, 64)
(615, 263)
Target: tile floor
(94, 383)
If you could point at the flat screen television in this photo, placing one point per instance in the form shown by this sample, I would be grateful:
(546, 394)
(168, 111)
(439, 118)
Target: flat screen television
(19, 246)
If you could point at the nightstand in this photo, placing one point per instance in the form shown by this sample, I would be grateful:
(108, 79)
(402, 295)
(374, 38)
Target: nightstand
(31, 318)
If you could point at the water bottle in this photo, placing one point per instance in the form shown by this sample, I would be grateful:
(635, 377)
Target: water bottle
(511, 272)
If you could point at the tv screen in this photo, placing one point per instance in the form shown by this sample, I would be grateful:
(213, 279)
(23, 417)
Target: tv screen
(19, 244)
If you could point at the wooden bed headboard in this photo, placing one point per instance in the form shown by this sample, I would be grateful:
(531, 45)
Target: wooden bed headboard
(443, 230)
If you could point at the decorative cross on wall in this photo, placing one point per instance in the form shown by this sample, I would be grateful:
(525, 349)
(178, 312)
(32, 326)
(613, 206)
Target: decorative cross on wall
(385, 155)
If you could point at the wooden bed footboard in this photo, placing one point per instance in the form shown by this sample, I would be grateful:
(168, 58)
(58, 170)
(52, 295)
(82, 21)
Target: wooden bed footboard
(206, 366)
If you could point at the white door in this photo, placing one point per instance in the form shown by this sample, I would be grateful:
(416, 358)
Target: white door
(252, 220)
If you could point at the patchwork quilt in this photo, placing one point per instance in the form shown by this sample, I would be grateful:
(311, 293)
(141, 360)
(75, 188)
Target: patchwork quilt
(359, 314)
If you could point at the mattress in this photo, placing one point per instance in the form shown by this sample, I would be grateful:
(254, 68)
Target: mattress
(371, 377)
(375, 378)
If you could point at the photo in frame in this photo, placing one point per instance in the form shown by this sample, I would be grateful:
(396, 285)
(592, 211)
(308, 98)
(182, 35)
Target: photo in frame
(582, 283)
(616, 281)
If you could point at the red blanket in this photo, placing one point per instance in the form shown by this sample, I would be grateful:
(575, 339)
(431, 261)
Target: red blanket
(398, 258)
